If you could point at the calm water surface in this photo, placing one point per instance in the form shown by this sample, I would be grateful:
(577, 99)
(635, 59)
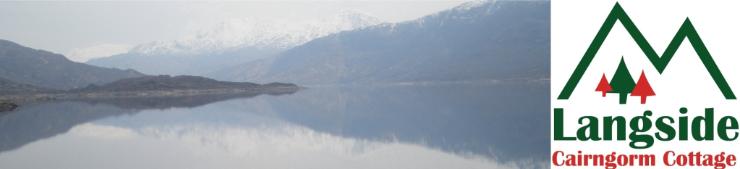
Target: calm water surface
(433, 126)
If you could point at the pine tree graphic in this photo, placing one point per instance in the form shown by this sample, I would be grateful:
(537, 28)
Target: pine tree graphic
(643, 88)
(622, 82)
(603, 86)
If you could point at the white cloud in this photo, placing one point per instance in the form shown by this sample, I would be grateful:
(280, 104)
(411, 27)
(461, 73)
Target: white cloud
(97, 51)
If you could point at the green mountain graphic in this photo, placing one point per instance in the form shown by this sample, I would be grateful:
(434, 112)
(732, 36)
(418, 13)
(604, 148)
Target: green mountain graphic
(660, 62)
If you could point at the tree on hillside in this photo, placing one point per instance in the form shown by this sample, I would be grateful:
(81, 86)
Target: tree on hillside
(643, 88)
(622, 82)
(603, 86)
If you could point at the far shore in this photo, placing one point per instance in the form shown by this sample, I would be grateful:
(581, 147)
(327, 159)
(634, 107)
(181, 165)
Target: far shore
(10, 102)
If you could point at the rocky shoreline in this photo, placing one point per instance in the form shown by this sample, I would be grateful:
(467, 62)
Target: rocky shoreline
(7, 106)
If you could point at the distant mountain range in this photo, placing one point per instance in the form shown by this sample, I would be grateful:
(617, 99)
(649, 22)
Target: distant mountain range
(482, 40)
(24, 68)
(29, 75)
(230, 43)
(476, 41)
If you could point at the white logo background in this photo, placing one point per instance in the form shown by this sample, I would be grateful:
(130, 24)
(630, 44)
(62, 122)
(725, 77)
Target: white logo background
(684, 83)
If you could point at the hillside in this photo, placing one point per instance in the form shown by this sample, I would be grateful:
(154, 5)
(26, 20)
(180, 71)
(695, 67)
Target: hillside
(486, 40)
(9, 87)
(49, 70)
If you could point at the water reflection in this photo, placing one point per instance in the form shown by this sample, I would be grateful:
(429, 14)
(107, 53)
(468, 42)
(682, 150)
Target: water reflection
(484, 126)
(34, 121)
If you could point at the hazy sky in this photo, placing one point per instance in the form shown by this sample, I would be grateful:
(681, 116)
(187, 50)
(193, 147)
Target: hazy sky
(85, 29)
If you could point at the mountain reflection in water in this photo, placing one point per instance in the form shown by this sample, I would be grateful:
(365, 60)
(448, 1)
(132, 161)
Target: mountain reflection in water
(434, 126)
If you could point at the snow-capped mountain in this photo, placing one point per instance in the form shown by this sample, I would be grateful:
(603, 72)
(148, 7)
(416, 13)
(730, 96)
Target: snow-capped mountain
(229, 43)
(258, 33)
(478, 41)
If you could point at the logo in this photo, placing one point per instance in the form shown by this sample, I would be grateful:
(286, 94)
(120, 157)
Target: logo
(687, 111)
(622, 82)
